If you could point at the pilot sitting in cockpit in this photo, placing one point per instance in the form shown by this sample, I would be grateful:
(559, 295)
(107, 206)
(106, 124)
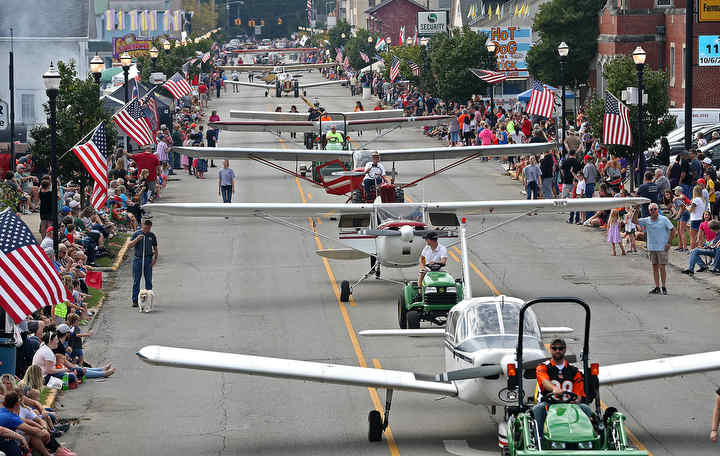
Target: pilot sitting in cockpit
(433, 253)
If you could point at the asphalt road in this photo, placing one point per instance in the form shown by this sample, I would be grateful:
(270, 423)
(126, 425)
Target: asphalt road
(257, 288)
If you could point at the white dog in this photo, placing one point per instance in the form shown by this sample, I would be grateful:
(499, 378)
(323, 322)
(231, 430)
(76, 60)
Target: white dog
(145, 300)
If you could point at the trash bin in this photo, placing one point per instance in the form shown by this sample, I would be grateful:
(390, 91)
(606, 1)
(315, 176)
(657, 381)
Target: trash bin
(7, 356)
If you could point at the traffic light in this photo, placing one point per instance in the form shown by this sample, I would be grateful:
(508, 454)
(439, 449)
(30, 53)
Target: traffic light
(262, 22)
(279, 21)
(238, 21)
(251, 22)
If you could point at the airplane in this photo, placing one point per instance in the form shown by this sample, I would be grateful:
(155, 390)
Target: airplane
(261, 68)
(480, 351)
(341, 172)
(286, 82)
(389, 234)
(285, 116)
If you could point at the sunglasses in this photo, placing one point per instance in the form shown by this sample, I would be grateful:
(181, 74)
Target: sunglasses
(653, 209)
(557, 348)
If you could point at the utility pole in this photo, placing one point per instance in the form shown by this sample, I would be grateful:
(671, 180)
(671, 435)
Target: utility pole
(12, 104)
(689, 46)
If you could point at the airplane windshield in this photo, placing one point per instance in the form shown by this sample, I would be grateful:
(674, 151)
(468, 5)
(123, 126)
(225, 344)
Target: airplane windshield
(481, 320)
(404, 213)
(361, 158)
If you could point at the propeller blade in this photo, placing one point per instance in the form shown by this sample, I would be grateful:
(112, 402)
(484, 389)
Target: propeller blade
(470, 373)
(380, 232)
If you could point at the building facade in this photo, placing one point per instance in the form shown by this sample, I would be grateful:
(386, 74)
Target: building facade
(658, 26)
(388, 19)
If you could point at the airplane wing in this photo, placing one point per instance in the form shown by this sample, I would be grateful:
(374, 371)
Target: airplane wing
(519, 206)
(441, 153)
(293, 369)
(242, 153)
(397, 122)
(285, 126)
(300, 116)
(258, 209)
(252, 84)
(324, 83)
(659, 368)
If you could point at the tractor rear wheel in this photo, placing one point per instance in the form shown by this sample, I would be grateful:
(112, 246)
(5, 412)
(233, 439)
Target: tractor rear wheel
(402, 312)
(345, 291)
(375, 423)
(357, 196)
(413, 319)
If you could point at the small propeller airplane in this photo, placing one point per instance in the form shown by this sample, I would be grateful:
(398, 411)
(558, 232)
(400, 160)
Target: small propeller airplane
(390, 234)
(284, 81)
(480, 351)
(341, 172)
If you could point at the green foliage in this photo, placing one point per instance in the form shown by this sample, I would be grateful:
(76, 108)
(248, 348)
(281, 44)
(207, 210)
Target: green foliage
(335, 36)
(79, 110)
(172, 61)
(572, 21)
(405, 54)
(620, 74)
(450, 57)
(358, 44)
(204, 19)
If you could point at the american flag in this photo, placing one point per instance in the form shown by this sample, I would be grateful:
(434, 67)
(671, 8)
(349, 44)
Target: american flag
(414, 67)
(29, 281)
(616, 122)
(394, 68)
(346, 62)
(205, 57)
(93, 156)
(178, 86)
(308, 5)
(541, 101)
(365, 57)
(491, 77)
(339, 56)
(131, 119)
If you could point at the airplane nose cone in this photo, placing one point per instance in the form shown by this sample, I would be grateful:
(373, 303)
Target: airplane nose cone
(406, 233)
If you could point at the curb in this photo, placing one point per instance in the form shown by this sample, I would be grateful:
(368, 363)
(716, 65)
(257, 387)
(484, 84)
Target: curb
(119, 259)
(50, 399)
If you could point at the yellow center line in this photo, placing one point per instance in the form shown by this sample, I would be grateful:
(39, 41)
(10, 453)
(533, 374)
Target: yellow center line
(477, 271)
(389, 438)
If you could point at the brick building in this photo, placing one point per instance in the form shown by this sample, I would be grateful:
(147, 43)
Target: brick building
(658, 26)
(387, 18)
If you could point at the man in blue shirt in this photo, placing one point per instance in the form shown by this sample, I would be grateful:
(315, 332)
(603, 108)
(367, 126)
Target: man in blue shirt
(144, 243)
(659, 232)
(10, 421)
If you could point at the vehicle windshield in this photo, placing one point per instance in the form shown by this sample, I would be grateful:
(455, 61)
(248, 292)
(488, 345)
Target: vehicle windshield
(361, 158)
(404, 213)
(479, 326)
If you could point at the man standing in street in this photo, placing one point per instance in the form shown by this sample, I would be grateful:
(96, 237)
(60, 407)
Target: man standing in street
(144, 243)
(649, 190)
(226, 182)
(660, 232)
(547, 172)
(569, 167)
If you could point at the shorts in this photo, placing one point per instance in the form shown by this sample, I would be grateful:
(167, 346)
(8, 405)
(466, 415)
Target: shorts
(695, 224)
(658, 257)
(685, 217)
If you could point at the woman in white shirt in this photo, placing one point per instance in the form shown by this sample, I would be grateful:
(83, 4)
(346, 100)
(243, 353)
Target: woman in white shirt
(697, 208)
(45, 358)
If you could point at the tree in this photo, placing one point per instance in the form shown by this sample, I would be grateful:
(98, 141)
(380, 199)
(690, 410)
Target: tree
(336, 35)
(173, 60)
(358, 44)
(574, 22)
(620, 74)
(406, 54)
(450, 58)
(79, 110)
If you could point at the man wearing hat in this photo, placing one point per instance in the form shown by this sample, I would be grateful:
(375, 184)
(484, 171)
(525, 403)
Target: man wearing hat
(374, 173)
(433, 253)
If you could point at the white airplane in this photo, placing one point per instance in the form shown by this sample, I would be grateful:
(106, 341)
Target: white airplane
(302, 116)
(341, 172)
(286, 82)
(390, 234)
(480, 351)
(277, 68)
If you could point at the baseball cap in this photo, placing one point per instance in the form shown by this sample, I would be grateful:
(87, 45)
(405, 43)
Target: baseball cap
(701, 181)
(431, 235)
(50, 228)
(588, 157)
(63, 328)
(65, 209)
(707, 161)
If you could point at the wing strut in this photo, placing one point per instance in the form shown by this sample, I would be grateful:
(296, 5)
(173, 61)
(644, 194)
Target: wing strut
(294, 226)
(281, 168)
(445, 168)
(494, 227)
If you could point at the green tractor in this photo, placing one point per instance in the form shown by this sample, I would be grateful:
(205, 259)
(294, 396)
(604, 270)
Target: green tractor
(439, 293)
(568, 430)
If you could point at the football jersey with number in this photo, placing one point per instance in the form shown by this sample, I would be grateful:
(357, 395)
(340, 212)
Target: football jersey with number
(567, 377)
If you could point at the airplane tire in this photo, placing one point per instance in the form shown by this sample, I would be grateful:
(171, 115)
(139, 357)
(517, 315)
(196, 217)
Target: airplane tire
(345, 291)
(402, 312)
(375, 428)
(413, 320)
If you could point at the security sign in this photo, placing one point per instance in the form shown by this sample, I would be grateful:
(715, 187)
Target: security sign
(431, 22)
(709, 50)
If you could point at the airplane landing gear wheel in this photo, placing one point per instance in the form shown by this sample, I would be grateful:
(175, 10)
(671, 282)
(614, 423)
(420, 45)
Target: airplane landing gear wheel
(375, 430)
(402, 312)
(413, 320)
(345, 291)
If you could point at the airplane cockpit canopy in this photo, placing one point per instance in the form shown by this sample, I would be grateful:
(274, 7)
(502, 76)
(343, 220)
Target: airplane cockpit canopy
(491, 322)
(404, 212)
(361, 158)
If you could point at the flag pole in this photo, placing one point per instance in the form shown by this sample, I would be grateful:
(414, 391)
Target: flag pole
(83, 139)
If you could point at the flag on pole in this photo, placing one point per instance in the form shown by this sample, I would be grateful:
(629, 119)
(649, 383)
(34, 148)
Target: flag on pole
(29, 280)
(339, 56)
(205, 57)
(380, 44)
(497, 10)
(402, 35)
(394, 68)
(178, 86)
(308, 5)
(109, 19)
(120, 20)
(541, 101)
(93, 156)
(346, 63)
(131, 119)
(166, 21)
(365, 57)
(491, 77)
(414, 67)
(133, 19)
(616, 122)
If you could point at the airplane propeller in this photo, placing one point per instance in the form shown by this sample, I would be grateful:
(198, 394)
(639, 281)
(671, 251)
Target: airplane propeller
(418, 233)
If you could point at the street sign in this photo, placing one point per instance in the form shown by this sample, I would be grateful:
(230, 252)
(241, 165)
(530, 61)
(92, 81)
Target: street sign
(709, 11)
(4, 119)
(431, 22)
(709, 50)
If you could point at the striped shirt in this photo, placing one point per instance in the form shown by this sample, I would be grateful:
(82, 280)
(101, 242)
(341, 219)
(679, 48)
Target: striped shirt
(161, 151)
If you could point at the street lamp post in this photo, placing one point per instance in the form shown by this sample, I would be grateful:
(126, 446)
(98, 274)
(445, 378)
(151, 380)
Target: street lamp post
(51, 79)
(125, 61)
(491, 46)
(563, 51)
(154, 56)
(96, 68)
(166, 46)
(638, 56)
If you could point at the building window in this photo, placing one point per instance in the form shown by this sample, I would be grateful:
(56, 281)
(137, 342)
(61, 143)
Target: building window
(683, 66)
(663, 3)
(671, 66)
(27, 101)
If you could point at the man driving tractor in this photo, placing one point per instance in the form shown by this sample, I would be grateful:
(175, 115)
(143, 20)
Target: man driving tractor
(556, 377)
(333, 136)
(433, 253)
(374, 173)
